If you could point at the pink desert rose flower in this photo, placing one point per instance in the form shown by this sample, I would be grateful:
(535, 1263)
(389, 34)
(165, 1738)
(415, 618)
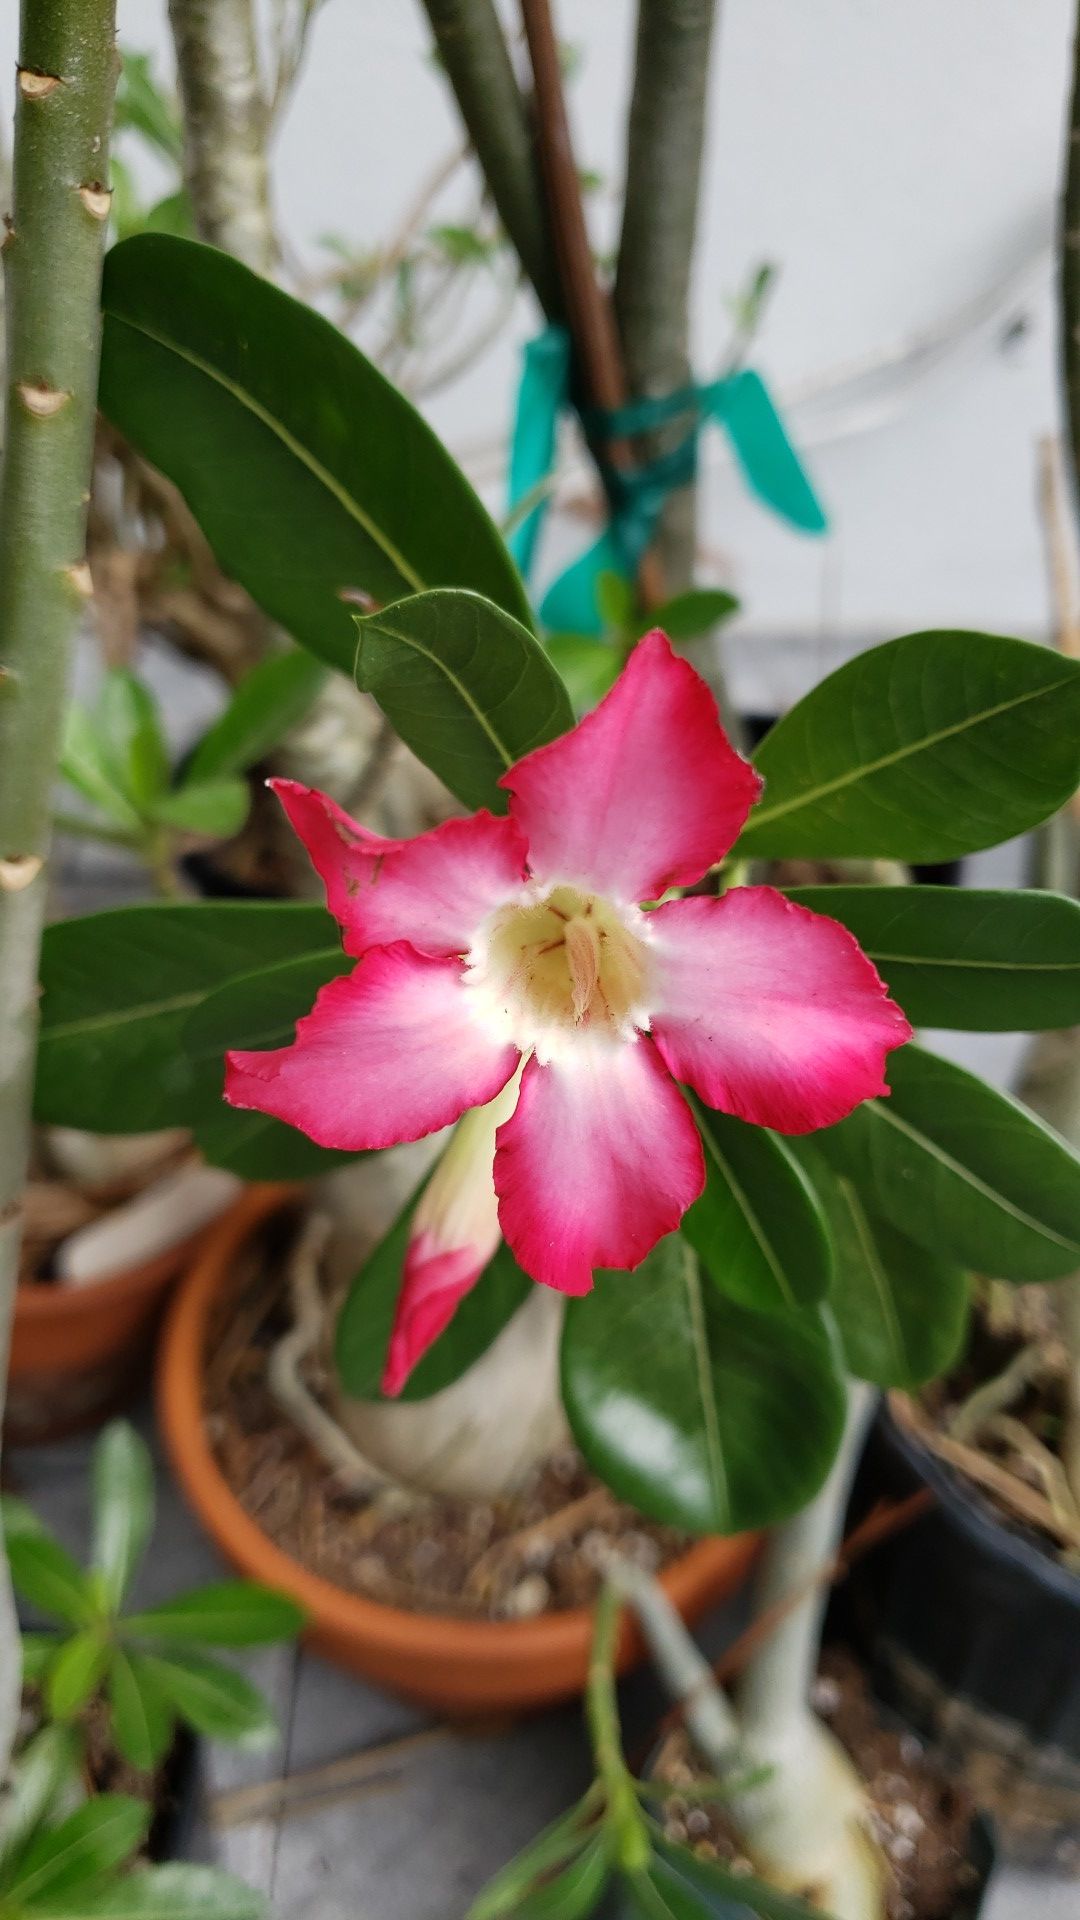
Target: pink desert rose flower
(508, 972)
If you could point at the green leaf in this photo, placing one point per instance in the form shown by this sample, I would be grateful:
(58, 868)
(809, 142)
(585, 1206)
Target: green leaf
(963, 1170)
(123, 1492)
(133, 744)
(231, 1613)
(142, 1718)
(588, 667)
(258, 1011)
(467, 687)
(576, 1889)
(747, 1894)
(177, 1891)
(314, 481)
(76, 1673)
(142, 106)
(900, 1310)
(47, 1767)
(97, 1837)
(84, 765)
(974, 959)
(171, 214)
(365, 1320)
(689, 615)
(38, 1653)
(43, 1571)
(270, 700)
(757, 1227)
(922, 749)
(217, 807)
(118, 987)
(211, 1697)
(558, 1844)
(699, 1412)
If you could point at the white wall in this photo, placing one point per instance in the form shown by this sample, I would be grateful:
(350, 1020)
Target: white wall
(899, 159)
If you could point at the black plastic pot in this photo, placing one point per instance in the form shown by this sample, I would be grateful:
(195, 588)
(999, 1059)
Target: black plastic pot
(972, 1631)
(176, 1812)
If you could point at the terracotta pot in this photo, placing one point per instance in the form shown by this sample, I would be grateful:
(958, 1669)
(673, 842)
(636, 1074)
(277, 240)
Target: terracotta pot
(460, 1667)
(78, 1353)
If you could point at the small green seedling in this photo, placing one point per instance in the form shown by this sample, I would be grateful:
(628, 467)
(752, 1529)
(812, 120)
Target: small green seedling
(151, 1669)
(67, 1857)
(114, 753)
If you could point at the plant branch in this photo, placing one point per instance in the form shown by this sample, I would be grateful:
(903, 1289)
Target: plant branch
(665, 137)
(1069, 279)
(622, 1812)
(475, 57)
(52, 263)
(225, 127)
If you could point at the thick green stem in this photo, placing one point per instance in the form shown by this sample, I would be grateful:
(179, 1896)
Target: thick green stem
(775, 1689)
(602, 1714)
(474, 54)
(52, 264)
(665, 138)
(225, 127)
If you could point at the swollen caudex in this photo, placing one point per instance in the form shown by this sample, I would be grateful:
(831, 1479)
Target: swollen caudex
(544, 972)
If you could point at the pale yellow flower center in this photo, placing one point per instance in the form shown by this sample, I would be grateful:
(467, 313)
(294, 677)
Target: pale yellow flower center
(546, 971)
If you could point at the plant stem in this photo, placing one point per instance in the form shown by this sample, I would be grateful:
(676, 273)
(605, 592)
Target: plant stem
(225, 127)
(622, 1812)
(774, 1691)
(474, 54)
(52, 262)
(665, 137)
(1070, 1438)
(682, 1666)
(1069, 279)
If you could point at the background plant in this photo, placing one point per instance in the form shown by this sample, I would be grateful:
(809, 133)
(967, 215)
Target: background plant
(144, 1672)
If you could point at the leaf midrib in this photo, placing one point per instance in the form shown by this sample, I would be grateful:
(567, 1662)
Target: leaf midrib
(970, 1178)
(176, 1003)
(714, 1451)
(807, 796)
(751, 1218)
(957, 960)
(878, 1274)
(409, 640)
(288, 440)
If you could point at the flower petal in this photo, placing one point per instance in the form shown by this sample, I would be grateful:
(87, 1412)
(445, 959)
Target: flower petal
(454, 1233)
(433, 890)
(769, 1011)
(387, 1054)
(645, 793)
(600, 1159)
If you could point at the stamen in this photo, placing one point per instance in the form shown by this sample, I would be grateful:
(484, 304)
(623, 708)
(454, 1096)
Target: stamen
(583, 956)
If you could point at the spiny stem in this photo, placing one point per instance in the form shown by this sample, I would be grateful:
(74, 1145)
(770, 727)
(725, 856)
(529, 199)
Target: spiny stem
(52, 262)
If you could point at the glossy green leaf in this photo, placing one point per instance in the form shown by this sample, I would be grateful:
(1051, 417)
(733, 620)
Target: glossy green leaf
(586, 666)
(76, 1673)
(467, 687)
(744, 1893)
(123, 1497)
(46, 1768)
(274, 697)
(43, 1571)
(981, 960)
(757, 1227)
(963, 1170)
(699, 1412)
(314, 481)
(923, 749)
(365, 1320)
(84, 765)
(142, 1718)
(217, 807)
(118, 987)
(133, 744)
(211, 1697)
(575, 1891)
(257, 1011)
(900, 1310)
(176, 1891)
(230, 1613)
(97, 1837)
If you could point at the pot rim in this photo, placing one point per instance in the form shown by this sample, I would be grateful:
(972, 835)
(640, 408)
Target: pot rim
(329, 1607)
(974, 1518)
(39, 1300)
